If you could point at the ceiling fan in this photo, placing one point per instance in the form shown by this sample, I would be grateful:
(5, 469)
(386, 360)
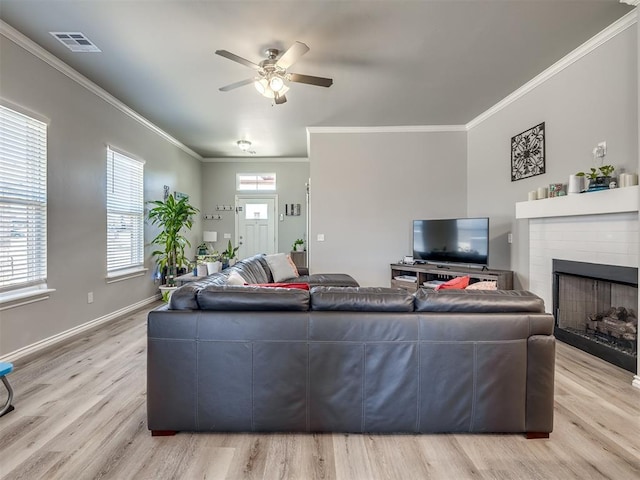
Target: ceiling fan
(272, 76)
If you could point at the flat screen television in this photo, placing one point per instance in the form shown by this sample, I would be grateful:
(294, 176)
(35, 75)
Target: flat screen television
(451, 240)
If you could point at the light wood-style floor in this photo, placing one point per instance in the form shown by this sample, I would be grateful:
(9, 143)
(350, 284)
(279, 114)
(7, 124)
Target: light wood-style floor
(80, 414)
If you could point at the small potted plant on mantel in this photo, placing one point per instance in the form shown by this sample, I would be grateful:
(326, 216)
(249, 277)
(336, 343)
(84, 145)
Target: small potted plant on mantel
(599, 178)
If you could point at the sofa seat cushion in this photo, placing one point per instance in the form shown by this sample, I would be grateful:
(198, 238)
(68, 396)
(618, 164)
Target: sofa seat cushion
(361, 299)
(252, 298)
(478, 301)
(327, 279)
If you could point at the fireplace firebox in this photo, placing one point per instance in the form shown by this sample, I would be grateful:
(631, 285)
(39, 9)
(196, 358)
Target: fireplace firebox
(596, 310)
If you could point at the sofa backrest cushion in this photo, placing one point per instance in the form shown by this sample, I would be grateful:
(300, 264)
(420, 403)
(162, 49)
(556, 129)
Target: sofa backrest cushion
(253, 269)
(186, 296)
(478, 301)
(360, 299)
(252, 298)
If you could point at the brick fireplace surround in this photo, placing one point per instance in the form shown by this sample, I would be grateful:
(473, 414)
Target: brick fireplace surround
(596, 227)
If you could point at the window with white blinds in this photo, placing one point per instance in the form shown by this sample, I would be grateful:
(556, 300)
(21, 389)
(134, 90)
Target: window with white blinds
(23, 200)
(125, 213)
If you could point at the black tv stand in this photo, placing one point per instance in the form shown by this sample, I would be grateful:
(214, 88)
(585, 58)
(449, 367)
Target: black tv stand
(412, 277)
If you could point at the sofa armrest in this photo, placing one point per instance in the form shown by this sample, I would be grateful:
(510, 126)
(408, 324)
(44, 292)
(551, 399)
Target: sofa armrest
(541, 357)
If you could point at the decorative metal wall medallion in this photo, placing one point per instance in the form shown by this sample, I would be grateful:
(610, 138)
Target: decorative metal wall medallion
(527, 153)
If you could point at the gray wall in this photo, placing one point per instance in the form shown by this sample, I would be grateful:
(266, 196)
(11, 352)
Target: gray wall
(592, 100)
(80, 126)
(219, 188)
(366, 188)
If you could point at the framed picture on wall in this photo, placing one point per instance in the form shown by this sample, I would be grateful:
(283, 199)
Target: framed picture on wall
(527, 153)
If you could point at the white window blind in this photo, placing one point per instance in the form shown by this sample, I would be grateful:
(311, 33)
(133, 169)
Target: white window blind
(23, 200)
(125, 213)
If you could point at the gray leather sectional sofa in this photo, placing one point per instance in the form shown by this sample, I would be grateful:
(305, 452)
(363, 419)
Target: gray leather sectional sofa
(350, 359)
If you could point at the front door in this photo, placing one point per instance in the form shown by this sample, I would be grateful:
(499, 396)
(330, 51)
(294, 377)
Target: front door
(256, 225)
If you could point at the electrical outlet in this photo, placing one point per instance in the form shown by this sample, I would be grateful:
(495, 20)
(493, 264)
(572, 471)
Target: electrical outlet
(320, 237)
(509, 237)
(90, 297)
(227, 235)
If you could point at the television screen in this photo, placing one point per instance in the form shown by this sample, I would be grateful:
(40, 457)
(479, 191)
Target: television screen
(453, 240)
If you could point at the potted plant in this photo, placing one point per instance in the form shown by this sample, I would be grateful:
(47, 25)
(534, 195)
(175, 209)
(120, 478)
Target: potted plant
(202, 249)
(599, 178)
(212, 261)
(229, 255)
(298, 245)
(172, 216)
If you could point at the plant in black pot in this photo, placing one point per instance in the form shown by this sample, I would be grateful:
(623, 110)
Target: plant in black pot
(599, 178)
(172, 216)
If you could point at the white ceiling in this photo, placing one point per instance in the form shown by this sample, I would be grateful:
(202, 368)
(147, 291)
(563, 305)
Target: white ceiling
(393, 62)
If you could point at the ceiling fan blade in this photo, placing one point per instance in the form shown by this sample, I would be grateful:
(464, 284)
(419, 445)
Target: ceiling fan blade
(292, 55)
(280, 99)
(241, 83)
(311, 80)
(236, 58)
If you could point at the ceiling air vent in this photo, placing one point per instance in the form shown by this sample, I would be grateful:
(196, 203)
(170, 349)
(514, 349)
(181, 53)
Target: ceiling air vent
(76, 41)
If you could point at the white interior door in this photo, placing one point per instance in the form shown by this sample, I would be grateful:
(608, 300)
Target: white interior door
(256, 225)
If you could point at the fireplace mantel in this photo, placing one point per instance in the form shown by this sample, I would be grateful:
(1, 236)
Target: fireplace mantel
(617, 200)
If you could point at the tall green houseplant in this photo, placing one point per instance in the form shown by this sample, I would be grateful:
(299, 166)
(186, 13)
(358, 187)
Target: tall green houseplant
(172, 216)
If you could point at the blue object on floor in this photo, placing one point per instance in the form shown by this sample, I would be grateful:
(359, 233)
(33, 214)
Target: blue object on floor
(5, 369)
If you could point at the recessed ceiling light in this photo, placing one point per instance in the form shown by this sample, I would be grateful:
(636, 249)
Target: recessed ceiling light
(76, 41)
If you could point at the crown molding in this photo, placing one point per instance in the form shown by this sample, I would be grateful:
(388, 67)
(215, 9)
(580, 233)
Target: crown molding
(590, 45)
(256, 160)
(36, 50)
(634, 3)
(389, 129)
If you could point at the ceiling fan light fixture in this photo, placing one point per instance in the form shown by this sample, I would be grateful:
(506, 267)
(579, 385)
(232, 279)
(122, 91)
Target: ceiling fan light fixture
(276, 83)
(271, 85)
(262, 86)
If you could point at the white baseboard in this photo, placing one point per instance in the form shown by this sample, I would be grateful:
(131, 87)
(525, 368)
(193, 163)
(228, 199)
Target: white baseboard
(72, 332)
(636, 381)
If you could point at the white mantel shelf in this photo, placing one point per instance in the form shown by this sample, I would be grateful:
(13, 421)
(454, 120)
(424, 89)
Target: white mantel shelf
(617, 200)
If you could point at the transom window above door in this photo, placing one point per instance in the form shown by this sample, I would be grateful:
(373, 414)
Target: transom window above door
(255, 182)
